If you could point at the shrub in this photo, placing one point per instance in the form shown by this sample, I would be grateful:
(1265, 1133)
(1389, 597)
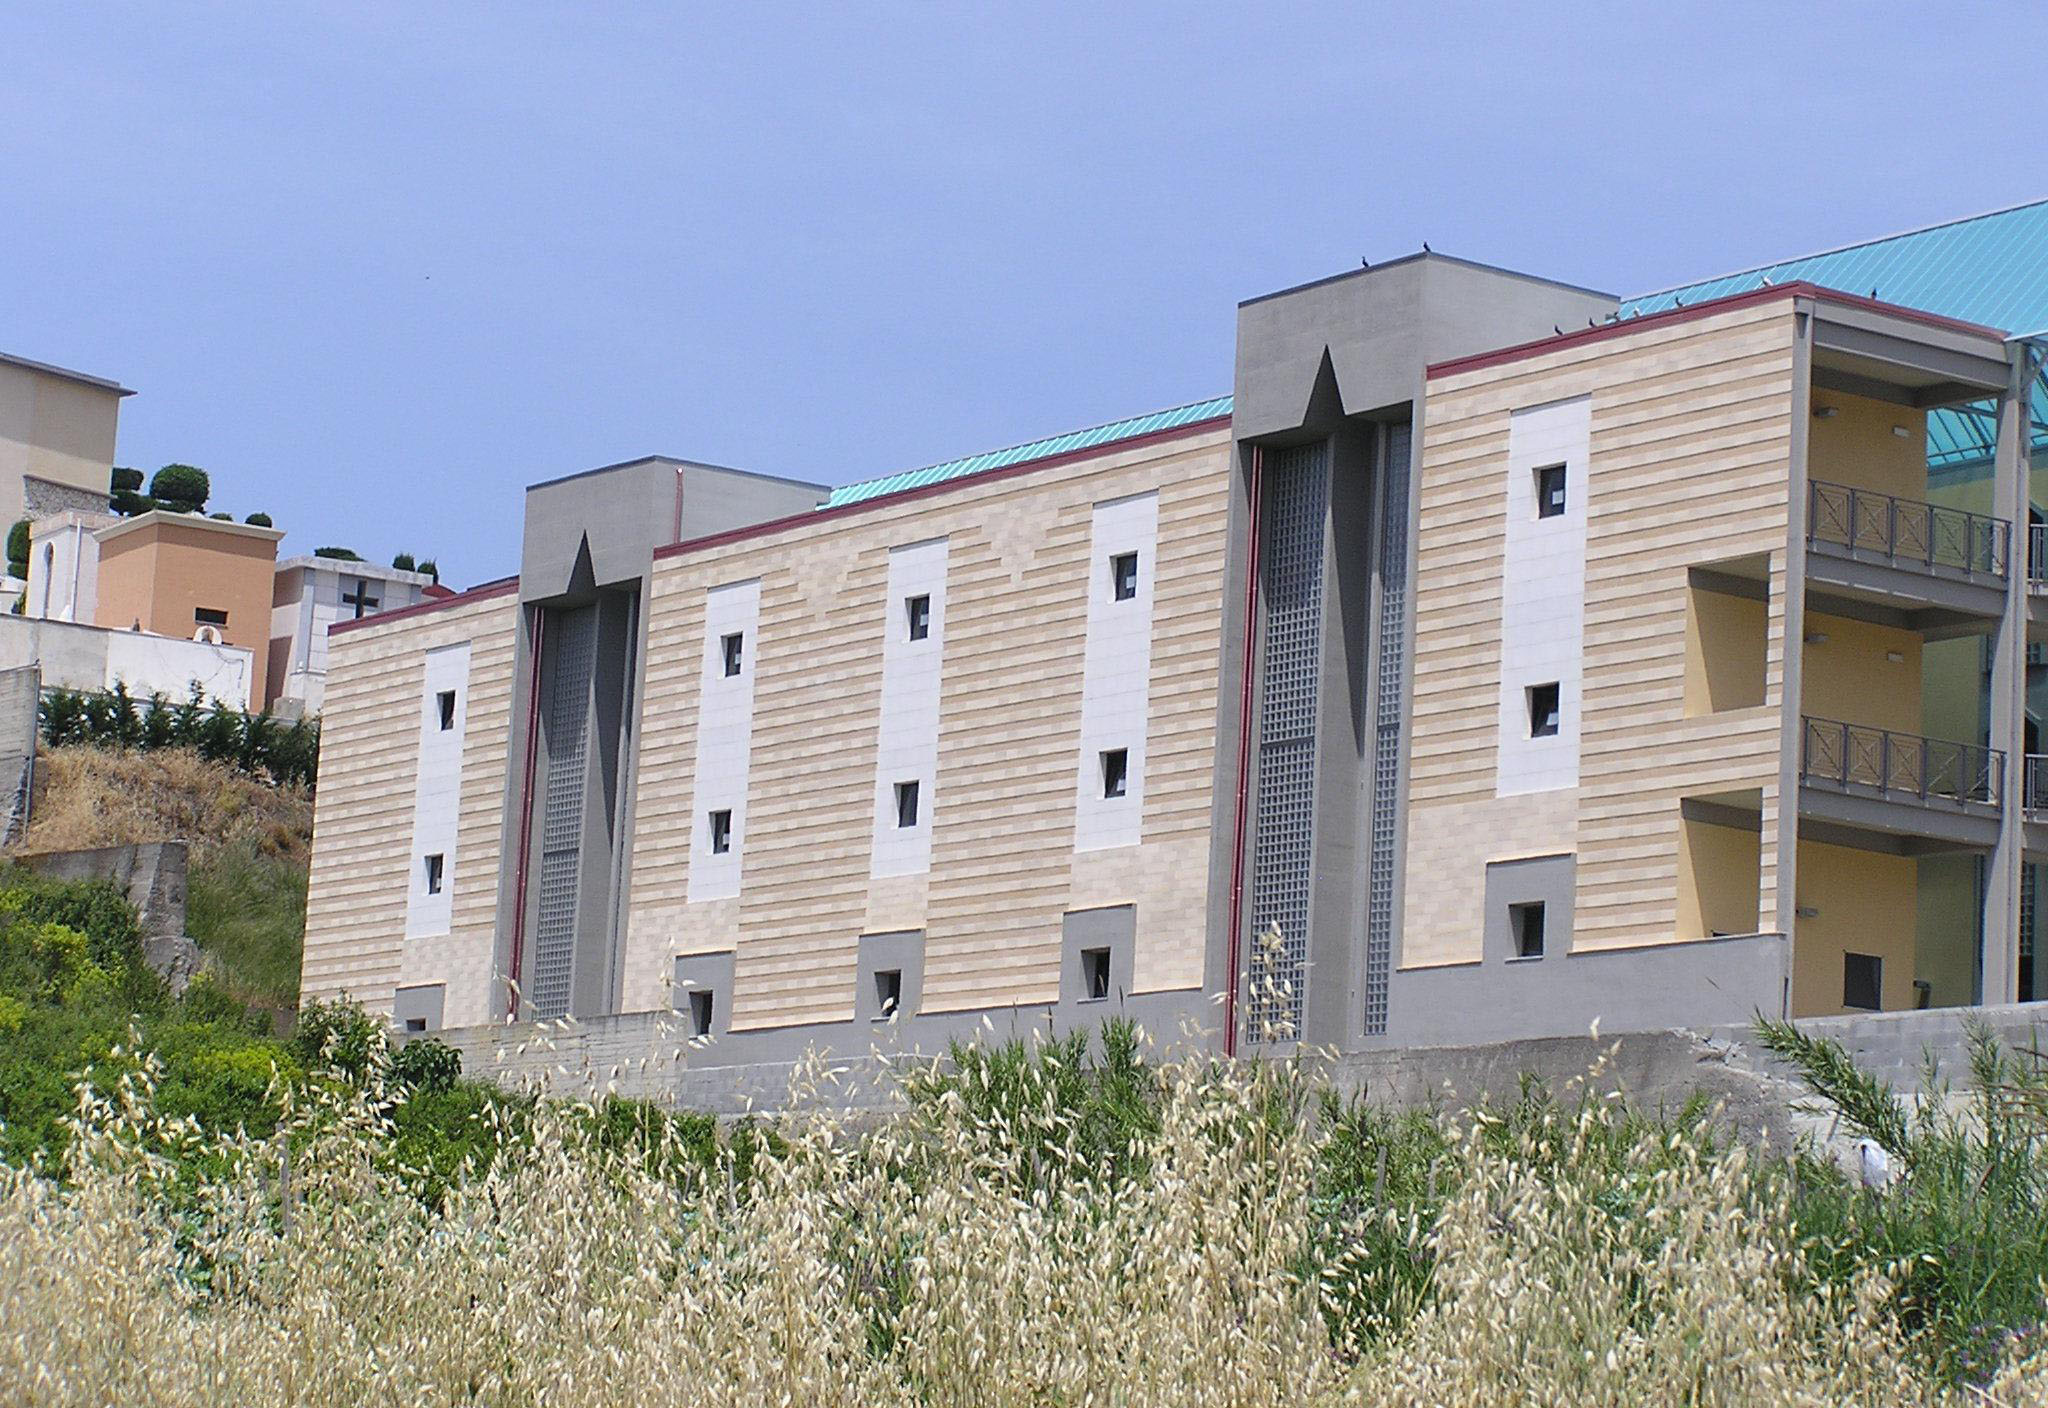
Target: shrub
(261, 520)
(431, 568)
(404, 562)
(256, 743)
(340, 1035)
(129, 504)
(339, 554)
(183, 487)
(17, 549)
(125, 480)
(428, 1064)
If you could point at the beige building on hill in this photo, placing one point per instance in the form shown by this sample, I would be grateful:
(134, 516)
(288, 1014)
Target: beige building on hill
(1500, 657)
(56, 439)
(190, 578)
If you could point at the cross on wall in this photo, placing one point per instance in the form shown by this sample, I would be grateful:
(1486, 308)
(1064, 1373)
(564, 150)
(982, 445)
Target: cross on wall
(361, 599)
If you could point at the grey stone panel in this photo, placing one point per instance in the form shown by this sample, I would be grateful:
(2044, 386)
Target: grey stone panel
(623, 514)
(20, 704)
(44, 497)
(418, 1009)
(705, 972)
(1951, 825)
(1910, 589)
(716, 500)
(1381, 327)
(1086, 930)
(900, 953)
(1706, 982)
(1544, 880)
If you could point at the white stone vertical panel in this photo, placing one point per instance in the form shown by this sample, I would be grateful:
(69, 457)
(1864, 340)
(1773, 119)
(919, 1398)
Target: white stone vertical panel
(1116, 673)
(907, 739)
(437, 790)
(1543, 597)
(725, 737)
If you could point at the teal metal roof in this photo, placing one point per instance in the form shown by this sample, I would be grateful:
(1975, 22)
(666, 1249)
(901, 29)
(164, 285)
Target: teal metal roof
(1990, 269)
(1092, 438)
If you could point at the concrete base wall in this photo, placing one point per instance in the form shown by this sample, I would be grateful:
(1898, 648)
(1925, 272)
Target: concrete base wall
(151, 874)
(650, 1054)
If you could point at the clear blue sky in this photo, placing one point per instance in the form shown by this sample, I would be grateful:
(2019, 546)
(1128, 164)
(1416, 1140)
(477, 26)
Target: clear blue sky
(377, 266)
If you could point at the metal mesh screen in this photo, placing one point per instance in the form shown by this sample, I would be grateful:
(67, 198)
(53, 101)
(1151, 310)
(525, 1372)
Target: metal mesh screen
(1387, 719)
(1294, 504)
(567, 725)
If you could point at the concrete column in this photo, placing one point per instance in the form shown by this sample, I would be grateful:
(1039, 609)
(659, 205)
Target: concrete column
(1784, 840)
(2001, 944)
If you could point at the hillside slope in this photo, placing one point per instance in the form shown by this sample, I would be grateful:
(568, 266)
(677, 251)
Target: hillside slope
(250, 843)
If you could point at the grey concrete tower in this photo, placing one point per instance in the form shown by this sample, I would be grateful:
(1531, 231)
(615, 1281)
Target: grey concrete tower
(1311, 771)
(586, 567)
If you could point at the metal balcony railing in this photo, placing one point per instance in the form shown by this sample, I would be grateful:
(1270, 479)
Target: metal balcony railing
(2037, 555)
(1906, 532)
(2037, 782)
(1856, 758)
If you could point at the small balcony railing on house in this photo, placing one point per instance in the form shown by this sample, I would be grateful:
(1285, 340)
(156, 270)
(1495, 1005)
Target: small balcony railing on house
(1903, 766)
(1906, 532)
(2037, 556)
(2037, 782)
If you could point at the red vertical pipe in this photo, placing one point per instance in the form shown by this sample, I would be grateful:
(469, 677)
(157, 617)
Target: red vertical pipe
(1244, 758)
(525, 811)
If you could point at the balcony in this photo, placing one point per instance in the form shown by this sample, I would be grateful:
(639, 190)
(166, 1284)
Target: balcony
(1900, 767)
(1905, 533)
(2037, 785)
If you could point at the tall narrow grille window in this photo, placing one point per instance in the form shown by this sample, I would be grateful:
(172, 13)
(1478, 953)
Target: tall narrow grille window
(1295, 501)
(567, 728)
(1388, 699)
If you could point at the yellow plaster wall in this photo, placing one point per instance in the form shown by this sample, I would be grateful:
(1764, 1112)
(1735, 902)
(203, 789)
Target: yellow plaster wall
(1726, 641)
(1847, 677)
(1718, 867)
(1857, 445)
(1864, 902)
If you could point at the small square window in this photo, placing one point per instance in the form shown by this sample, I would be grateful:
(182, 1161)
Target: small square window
(415, 1024)
(1116, 768)
(733, 646)
(702, 1008)
(1095, 973)
(1123, 575)
(721, 831)
(445, 703)
(917, 610)
(906, 804)
(434, 865)
(1863, 982)
(1525, 926)
(1550, 491)
(888, 990)
(208, 616)
(1543, 710)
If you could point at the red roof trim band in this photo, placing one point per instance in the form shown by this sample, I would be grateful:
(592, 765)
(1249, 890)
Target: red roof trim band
(1008, 471)
(1480, 360)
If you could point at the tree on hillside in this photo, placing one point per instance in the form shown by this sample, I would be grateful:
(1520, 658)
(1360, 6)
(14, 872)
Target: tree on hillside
(183, 488)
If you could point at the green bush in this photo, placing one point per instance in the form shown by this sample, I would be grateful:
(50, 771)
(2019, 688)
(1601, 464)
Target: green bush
(260, 520)
(184, 487)
(339, 554)
(125, 480)
(431, 568)
(339, 1035)
(129, 504)
(256, 743)
(427, 1063)
(404, 562)
(17, 549)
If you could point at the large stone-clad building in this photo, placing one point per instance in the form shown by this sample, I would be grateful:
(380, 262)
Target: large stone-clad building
(1500, 656)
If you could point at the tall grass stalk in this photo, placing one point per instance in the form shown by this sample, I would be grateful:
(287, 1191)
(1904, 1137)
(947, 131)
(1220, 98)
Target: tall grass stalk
(995, 1244)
